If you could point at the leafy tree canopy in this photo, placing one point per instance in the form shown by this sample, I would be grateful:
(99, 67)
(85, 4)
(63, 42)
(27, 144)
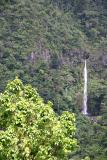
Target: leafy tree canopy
(30, 129)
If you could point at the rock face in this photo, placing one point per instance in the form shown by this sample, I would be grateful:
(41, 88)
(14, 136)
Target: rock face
(104, 60)
(96, 62)
(85, 55)
(75, 58)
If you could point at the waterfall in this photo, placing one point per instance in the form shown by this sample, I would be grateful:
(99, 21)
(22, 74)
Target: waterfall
(85, 90)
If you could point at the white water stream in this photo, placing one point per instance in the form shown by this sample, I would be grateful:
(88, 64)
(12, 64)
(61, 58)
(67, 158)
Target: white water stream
(85, 90)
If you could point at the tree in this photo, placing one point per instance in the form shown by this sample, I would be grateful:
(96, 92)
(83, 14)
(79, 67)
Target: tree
(30, 129)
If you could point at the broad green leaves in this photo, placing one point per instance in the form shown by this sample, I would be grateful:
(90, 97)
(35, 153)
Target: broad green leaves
(30, 129)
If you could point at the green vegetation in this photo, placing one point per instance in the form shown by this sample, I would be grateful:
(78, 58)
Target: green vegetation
(30, 129)
(45, 42)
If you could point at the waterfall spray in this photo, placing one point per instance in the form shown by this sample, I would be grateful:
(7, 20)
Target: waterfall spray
(85, 90)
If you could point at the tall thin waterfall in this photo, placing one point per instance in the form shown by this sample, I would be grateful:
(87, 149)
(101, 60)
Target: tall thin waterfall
(85, 90)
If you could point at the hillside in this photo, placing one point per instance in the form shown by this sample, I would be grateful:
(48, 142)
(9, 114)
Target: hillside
(45, 43)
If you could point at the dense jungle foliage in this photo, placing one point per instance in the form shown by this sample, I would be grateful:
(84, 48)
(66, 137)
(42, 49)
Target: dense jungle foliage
(44, 43)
